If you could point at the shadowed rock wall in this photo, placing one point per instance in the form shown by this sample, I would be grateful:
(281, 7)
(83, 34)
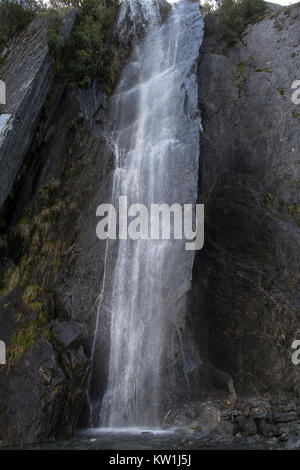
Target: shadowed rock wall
(245, 296)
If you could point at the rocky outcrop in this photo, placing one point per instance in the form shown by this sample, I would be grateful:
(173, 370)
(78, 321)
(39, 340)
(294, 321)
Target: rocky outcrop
(66, 168)
(42, 398)
(27, 73)
(43, 389)
(239, 424)
(245, 296)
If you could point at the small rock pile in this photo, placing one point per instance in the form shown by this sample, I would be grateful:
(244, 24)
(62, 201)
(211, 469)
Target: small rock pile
(239, 424)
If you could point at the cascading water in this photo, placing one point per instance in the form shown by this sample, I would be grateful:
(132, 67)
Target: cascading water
(154, 132)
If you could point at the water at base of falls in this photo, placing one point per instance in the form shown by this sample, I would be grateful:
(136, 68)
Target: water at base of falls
(154, 132)
(133, 431)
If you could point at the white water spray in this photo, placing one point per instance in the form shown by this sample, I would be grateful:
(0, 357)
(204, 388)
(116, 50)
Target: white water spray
(154, 130)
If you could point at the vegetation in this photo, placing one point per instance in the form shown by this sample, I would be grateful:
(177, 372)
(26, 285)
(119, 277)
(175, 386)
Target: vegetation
(14, 16)
(39, 248)
(22, 340)
(240, 77)
(90, 52)
(233, 17)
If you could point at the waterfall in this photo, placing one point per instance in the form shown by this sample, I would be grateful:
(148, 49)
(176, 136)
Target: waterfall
(139, 11)
(154, 128)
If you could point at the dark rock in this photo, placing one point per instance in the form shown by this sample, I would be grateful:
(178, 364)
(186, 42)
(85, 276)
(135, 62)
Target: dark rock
(208, 419)
(268, 429)
(68, 25)
(77, 286)
(246, 426)
(225, 428)
(9, 309)
(285, 417)
(258, 412)
(31, 397)
(42, 396)
(27, 73)
(291, 406)
(67, 333)
(293, 443)
(252, 439)
(245, 304)
(211, 380)
(244, 299)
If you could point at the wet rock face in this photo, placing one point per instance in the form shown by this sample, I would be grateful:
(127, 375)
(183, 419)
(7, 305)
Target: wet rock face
(245, 295)
(42, 398)
(27, 74)
(53, 375)
(246, 279)
(134, 16)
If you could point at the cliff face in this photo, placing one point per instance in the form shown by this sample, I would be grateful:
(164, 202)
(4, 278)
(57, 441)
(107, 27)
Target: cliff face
(245, 294)
(51, 264)
(27, 74)
(246, 279)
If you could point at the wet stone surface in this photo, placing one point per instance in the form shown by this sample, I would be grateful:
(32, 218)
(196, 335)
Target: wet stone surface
(219, 424)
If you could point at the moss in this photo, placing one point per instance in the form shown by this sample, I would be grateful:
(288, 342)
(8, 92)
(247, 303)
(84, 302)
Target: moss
(240, 77)
(37, 311)
(24, 227)
(46, 192)
(39, 253)
(25, 267)
(294, 208)
(23, 339)
(265, 70)
(39, 258)
(268, 198)
(295, 115)
(10, 281)
(39, 236)
(3, 244)
(53, 40)
(31, 294)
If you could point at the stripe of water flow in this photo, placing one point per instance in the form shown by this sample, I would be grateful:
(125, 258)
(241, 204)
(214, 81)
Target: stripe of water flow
(154, 127)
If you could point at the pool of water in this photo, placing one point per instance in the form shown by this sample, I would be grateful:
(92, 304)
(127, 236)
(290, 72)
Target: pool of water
(121, 439)
(140, 439)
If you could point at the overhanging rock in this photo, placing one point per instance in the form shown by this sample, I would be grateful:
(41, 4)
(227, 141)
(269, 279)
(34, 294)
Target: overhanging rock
(27, 75)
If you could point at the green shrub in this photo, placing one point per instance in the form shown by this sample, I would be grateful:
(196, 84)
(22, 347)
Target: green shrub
(14, 16)
(53, 41)
(90, 52)
(234, 16)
